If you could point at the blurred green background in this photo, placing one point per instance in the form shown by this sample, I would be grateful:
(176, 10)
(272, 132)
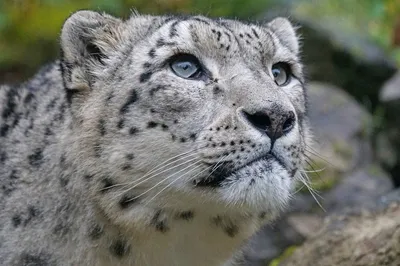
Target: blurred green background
(29, 28)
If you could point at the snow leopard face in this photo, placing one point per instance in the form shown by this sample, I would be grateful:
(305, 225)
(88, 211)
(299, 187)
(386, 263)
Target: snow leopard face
(186, 112)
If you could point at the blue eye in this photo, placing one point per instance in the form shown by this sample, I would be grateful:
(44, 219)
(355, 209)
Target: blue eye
(186, 66)
(282, 74)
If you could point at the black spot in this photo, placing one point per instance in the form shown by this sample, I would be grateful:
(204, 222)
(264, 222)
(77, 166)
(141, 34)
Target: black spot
(151, 124)
(64, 181)
(127, 201)
(145, 76)
(107, 184)
(133, 97)
(97, 150)
(133, 130)
(4, 130)
(182, 140)
(252, 182)
(146, 65)
(130, 156)
(155, 89)
(216, 89)
(14, 175)
(172, 31)
(186, 215)
(48, 132)
(121, 123)
(119, 248)
(28, 98)
(173, 137)
(218, 35)
(36, 158)
(160, 225)
(96, 232)
(223, 144)
(126, 167)
(3, 157)
(37, 259)
(152, 53)
(262, 215)
(16, 220)
(88, 177)
(160, 42)
(10, 105)
(101, 127)
(231, 230)
(61, 228)
(110, 96)
(255, 33)
(241, 35)
(164, 127)
(192, 136)
(33, 212)
(51, 105)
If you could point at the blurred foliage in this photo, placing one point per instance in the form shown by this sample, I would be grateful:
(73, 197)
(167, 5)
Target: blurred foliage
(376, 19)
(29, 28)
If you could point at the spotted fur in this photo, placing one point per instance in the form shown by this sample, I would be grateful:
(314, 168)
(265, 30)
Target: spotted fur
(107, 157)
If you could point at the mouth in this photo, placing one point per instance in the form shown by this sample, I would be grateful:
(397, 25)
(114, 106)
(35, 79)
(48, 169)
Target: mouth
(225, 171)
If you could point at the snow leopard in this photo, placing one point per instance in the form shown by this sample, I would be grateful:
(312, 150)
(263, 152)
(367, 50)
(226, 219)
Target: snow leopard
(152, 140)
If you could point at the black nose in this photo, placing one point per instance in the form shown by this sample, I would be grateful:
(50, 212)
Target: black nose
(274, 123)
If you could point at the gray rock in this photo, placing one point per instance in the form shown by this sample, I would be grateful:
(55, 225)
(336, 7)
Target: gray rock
(366, 236)
(387, 139)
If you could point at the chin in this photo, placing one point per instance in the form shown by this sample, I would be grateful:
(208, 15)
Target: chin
(263, 186)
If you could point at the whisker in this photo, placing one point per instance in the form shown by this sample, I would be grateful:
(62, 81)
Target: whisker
(143, 193)
(152, 174)
(312, 192)
(176, 179)
(316, 171)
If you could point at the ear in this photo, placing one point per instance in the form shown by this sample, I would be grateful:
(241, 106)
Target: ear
(87, 40)
(286, 33)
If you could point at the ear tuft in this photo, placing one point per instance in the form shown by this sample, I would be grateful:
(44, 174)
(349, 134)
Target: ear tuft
(87, 38)
(286, 33)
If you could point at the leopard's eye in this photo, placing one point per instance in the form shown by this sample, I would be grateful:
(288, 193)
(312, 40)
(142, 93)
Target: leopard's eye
(186, 66)
(282, 74)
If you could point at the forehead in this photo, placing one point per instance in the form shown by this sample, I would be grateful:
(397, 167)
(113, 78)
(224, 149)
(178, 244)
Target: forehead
(221, 39)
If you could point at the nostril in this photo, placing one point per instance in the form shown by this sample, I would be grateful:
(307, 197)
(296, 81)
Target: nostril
(289, 123)
(259, 120)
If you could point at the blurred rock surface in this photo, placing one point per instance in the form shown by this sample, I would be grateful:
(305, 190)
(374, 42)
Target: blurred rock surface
(367, 236)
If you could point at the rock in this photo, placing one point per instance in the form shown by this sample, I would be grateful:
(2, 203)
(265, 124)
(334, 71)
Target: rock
(388, 140)
(350, 176)
(390, 92)
(365, 237)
